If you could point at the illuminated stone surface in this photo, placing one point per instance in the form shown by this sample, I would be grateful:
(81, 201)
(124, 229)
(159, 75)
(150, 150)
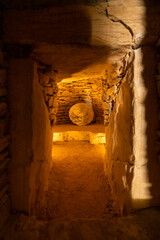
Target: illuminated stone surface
(80, 42)
(81, 114)
(69, 93)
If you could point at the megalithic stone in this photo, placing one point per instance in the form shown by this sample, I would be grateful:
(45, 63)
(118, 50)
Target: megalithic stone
(81, 114)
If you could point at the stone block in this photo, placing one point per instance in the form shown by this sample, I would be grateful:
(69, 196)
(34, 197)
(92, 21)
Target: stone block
(3, 126)
(3, 91)
(158, 86)
(4, 214)
(3, 109)
(52, 110)
(158, 77)
(3, 155)
(48, 91)
(3, 164)
(3, 200)
(4, 190)
(50, 102)
(115, 81)
(107, 105)
(3, 77)
(44, 79)
(111, 91)
(81, 114)
(3, 179)
(4, 142)
(158, 68)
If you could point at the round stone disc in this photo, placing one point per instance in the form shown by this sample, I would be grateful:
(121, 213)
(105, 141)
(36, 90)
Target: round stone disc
(81, 114)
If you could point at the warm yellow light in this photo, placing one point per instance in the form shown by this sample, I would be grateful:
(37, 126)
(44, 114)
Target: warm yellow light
(93, 138)
(140, 184)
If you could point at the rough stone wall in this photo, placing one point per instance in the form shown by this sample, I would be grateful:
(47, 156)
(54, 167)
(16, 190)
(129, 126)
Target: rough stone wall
(47, 79)
(74, 91)
(145, 191)
(31, 131)
(100, 93)
(4, 143)
(24, 27)
(119, 152)
(158, 77)
(20, 99)
(42, 150)
(111, 83)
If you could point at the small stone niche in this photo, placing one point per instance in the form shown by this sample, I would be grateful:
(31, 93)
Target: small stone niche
(87, 91)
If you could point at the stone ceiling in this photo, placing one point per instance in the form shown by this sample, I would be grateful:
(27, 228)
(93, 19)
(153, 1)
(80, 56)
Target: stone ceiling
(78, 40)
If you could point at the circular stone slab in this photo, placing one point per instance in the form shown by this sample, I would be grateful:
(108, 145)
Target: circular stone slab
(81, 114)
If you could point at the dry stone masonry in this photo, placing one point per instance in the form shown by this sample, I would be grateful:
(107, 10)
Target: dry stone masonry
(47, 79)
(74, 91)
(99, 93)
(111, 83)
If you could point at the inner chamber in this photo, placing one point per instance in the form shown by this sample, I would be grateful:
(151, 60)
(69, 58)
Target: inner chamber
(78, 185)
(69, 171)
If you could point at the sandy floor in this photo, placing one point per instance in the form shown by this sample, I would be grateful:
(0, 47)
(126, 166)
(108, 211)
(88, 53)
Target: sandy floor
(78, 186)
(79, 203)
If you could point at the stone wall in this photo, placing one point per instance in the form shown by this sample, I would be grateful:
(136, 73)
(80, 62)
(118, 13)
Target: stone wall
(47, 79)
(84, 25)
(20, 97)
(111, 83)
(31, 144)
(42, 149)
(4, 143)
(100, 93)
(145, 191)
(158, 76)
(119, 149)
(74, 91)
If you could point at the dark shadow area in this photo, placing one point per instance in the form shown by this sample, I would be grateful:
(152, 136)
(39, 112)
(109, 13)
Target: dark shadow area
(151, 101)
(54, 25)
(59, 37)
(38, 4)
(25, 30)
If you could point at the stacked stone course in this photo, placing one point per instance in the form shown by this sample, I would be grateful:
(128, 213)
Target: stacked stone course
(100, 93)
(47, 80)
(75, 91)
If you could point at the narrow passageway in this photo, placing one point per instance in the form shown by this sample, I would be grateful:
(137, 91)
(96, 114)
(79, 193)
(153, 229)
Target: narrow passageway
(78, 186)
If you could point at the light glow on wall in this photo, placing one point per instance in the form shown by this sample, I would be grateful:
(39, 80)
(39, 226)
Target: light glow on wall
(87, 136)
(140, 184)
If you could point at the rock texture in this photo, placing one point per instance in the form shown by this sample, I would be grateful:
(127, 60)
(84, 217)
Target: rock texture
(81, 114)
(99, 92)
(87, 38)
(144, 225)
(119, 157)
(71, 92)
(31, 131)
(4, 143)
(94, 41)
(47, 79)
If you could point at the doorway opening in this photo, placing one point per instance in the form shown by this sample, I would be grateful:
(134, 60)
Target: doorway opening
(78, 185)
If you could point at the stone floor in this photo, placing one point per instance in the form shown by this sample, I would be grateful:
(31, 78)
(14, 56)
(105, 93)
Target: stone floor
(78, 187)
(79, 203)
(143, 225)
